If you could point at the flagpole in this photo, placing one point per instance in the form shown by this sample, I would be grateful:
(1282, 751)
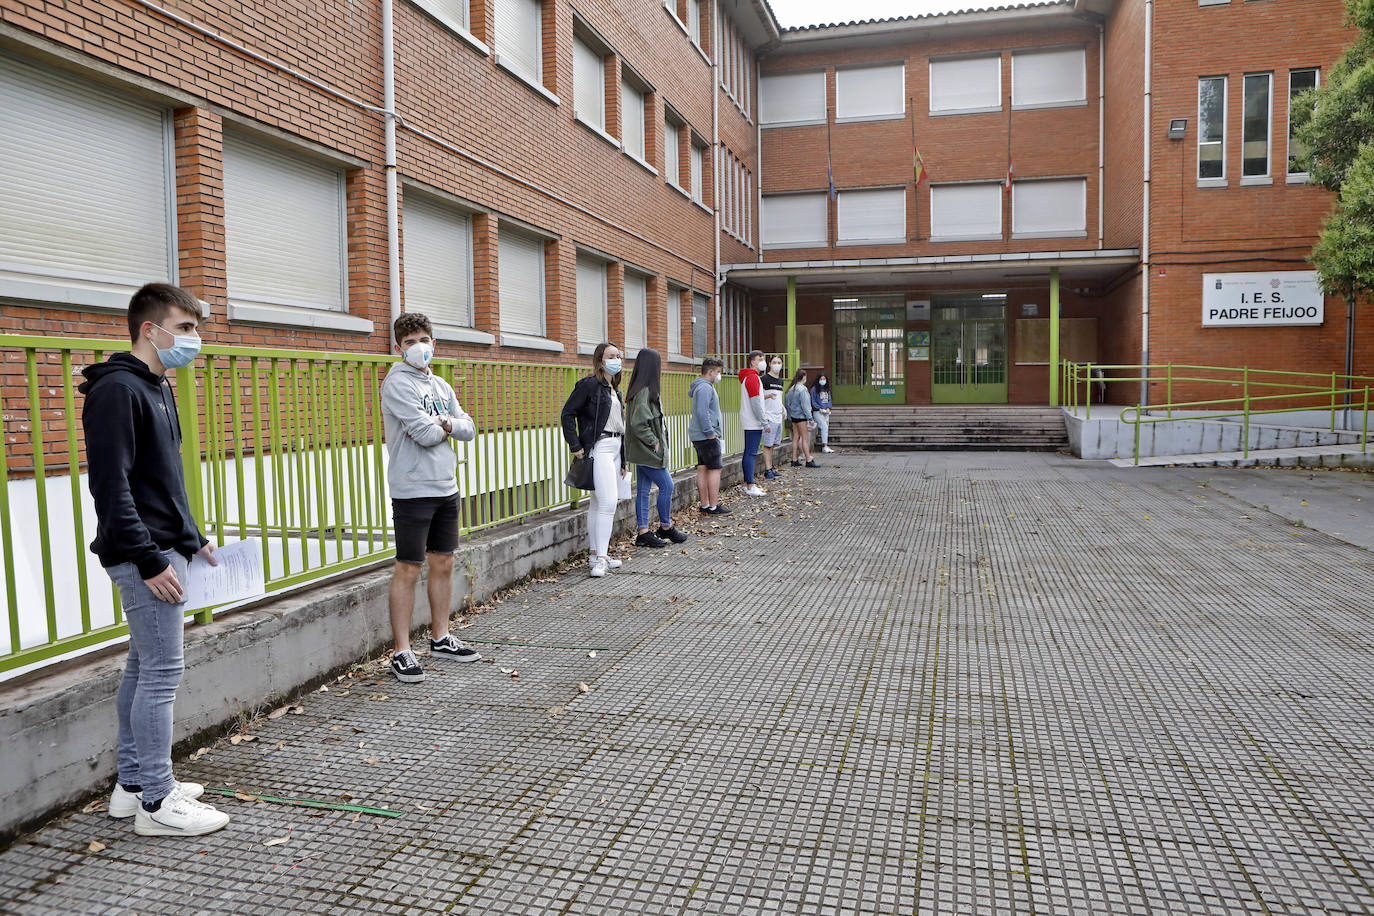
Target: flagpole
(915, 178)
(833, 205)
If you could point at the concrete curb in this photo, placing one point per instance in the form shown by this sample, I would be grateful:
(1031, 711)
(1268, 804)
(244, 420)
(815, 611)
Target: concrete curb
(58, 727)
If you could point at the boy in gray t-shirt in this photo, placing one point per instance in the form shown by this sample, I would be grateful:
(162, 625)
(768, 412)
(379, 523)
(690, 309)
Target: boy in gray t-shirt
(421, 414)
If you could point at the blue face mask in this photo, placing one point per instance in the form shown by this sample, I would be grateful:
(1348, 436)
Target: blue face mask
(612, 367)
(182, 352)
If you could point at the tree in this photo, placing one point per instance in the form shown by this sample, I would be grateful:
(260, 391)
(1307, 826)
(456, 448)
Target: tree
(1334, 130)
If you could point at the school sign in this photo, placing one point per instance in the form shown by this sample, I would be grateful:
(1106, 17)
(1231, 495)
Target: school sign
(1290, 297)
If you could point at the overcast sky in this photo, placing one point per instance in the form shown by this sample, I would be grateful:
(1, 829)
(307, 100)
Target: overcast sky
(815, 12)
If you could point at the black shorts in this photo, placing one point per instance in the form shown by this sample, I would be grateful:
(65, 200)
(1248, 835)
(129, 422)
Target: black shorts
(708, 453)
(425, 524)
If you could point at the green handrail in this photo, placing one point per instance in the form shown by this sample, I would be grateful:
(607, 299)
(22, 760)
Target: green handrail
(283, 445)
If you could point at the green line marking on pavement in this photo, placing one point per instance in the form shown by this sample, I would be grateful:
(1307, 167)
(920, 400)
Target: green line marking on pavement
(306, 802)
(533, 645)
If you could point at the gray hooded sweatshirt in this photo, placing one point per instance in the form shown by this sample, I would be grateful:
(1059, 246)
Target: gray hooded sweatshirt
(414, 406)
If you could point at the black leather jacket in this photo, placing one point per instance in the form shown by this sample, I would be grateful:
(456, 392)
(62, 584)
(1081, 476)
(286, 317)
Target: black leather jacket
(586, 413)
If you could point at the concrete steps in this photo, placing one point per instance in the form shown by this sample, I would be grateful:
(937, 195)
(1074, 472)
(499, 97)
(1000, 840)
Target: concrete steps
(949, 428)
(1312, 456)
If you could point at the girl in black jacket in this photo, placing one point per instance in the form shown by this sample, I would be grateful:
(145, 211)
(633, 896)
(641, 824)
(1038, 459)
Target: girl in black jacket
(593, 421)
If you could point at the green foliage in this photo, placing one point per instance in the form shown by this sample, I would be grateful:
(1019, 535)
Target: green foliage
(1334, 129)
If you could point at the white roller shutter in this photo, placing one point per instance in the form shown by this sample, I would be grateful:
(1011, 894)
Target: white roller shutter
(870, 92)
(1049, 77)
(698, 179)
(872, 216)
(589, 84)
(1049, 209)
(284, 227)
(449, 12)
(591, 300)
(794, 221)
(636, 307)
(438, 260)
(84, 180)
(521, 269)
(675, 320)
(518, 27)
(966, 84)
(966, 211)
(792, 98)
(694, 20)
(700, 341)
(632, 120)
(671, 151)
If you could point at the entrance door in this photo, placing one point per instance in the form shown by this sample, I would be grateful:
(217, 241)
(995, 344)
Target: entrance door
(968, 358)
(870, 359)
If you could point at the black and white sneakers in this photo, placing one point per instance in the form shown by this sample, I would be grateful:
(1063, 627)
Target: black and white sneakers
(451, 648)
(407, 668)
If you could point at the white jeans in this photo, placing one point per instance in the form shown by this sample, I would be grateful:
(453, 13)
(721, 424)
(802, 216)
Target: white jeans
(601, 508)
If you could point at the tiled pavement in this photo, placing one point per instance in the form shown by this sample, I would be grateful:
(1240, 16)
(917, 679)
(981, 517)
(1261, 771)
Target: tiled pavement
(935, 683)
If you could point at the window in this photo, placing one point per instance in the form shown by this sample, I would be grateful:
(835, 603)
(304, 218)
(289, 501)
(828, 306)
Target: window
(674, 320)
(1049, 209)
(1256, 126)
(589, 85)
(966, 212)
(283, 226)
(636, 317)
(452, 13)
(1045, 79)
(872, 217)
(694, 21)
(632, 120)
(965, 85)
(868, 93)
(521, 270)
(1211, 128)
(519, 42)
(701, 343)
(1299, 81)
(698, 179)
(438, 260)
(795, 220)
(591, 300)
(87, 183)
(671, 151)
(793, 98)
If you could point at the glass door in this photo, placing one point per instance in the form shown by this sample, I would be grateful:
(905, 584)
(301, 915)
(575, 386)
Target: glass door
(968, 359)
(870, 355)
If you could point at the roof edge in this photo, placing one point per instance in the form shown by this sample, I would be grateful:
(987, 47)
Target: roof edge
(872, 27)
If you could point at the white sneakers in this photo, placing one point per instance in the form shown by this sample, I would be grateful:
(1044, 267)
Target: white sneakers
(827, 449)
(179, 816)
(126, 804)
(754, 490)
(601, 564)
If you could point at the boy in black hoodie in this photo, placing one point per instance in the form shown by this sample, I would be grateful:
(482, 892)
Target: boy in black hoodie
(145, 538)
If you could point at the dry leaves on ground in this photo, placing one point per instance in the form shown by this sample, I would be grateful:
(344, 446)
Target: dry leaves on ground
(96, 846)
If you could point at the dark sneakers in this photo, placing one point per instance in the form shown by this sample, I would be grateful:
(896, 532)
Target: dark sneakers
(812, 464)
(771, 474)
(452, 649)
(716, 510)
(672, 534)
(407, 668)
(648, 539)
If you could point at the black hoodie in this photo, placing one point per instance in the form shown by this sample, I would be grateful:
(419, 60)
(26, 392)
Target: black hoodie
(133, 447)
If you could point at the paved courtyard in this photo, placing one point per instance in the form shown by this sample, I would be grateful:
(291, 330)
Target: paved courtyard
(934, 683)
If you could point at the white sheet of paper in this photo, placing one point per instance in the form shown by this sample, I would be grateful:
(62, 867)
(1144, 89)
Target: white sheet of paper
(238, 576)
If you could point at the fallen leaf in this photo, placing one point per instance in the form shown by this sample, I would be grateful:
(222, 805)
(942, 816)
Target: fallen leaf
(515, 675)
(96, 846)
(334, 728)
(347, 795)
(582, 688)
(324, 688)
(277, 841)
(555, 710)
(200, 753)
(295, 710)
(372, 761)
(362, 744)
(355, 817)
(278, 712)
(392, 723)
(507, 670)
(591, 655)
(424, 807)
(98, 805)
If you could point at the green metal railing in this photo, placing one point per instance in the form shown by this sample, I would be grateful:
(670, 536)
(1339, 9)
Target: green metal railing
(283, 445)
(1254, 392)
(734, 362)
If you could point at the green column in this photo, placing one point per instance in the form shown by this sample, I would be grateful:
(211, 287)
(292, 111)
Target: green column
(1054, 336)
(791, 320)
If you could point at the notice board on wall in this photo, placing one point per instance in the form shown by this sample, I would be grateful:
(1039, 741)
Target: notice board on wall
(1077, 340)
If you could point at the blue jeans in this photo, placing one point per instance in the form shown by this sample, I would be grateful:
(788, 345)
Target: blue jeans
(151, 676)
(752, 438)
(646, 478)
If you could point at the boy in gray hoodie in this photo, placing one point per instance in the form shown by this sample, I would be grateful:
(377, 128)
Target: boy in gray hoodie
(421, 414)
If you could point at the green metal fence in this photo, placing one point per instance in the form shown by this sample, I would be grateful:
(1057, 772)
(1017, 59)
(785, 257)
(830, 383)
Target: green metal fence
(1252, 392)
(285, 446)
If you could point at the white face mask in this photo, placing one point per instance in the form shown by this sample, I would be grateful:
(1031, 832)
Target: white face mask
(758, 365)
(777, 368)
(419, 355)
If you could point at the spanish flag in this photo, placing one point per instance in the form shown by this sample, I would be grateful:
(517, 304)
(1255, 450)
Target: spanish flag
(918, 165)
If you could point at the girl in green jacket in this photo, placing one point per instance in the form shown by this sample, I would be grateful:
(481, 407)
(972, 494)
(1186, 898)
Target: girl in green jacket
(646, 447)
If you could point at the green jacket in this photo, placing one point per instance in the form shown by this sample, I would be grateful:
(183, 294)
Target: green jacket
(646, 431)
